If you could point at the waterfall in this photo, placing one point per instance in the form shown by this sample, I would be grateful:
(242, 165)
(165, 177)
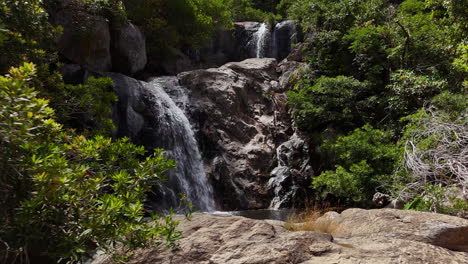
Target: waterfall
(173, 133)
(261, 38)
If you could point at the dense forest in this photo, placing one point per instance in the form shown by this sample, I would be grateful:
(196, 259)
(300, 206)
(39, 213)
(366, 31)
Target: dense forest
(383, 100)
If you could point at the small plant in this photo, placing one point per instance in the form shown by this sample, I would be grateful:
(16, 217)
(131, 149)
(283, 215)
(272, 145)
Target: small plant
(364, 164)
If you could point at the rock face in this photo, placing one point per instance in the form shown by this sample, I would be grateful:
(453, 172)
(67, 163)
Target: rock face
(239, 115)
(435, 229)
(292, 173)
(240, 120)
(246, 40)
(85, 39)
(284, 36)
(128, 49)
(232, 45)
(93, 42)
(237, 240)
(146, 112)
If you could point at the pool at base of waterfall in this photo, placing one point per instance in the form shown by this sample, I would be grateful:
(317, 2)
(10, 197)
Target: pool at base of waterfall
(261, 214)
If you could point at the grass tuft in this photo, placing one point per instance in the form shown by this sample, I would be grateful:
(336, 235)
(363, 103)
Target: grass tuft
(310, 220)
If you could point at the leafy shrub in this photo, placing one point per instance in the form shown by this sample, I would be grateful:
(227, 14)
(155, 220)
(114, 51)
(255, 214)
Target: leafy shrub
(86, 107)
(67, 195)
(25, 34)
(439, 200)
(368, 45)
(365, 161)
(409, 91)
(243, 10)
(339, 101)
(178, 23)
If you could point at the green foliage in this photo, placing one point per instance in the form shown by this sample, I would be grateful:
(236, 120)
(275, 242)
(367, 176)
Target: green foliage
(409, 91)
(87, 107)
(396, 56)
(243, 10)
(437, 199)
(368, 44)
(23, 118)
(460, 64)
(28, 36)
(25, 34)
(364, 162)
(66, 194)
(452, 105)
(265, 5)
(178, 23)
(338, 101)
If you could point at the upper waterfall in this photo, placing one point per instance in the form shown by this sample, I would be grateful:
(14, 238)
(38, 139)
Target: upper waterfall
(261, 38)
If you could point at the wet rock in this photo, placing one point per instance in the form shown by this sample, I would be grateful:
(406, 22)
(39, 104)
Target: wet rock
(146, 113)
(128, 113)
(175, 63)
(240, 118)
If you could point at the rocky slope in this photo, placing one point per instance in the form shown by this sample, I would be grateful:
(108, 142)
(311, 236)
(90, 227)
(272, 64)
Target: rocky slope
(392, 237)
(241, 120)
(239, 115)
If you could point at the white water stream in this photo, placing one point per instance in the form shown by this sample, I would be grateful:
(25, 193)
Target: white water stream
(178, 140)
(261, 40)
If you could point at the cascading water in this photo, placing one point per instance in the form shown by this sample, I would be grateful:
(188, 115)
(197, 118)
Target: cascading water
(173, 133)
(261, 38)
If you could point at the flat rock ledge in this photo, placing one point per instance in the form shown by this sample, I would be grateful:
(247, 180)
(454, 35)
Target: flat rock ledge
(358, 236)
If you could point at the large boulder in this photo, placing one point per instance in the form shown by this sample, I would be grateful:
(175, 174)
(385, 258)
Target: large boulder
(284, 36)
(436, 229)
(85, 39)
(240, 118)
(128, 49)
(237, 115)
(237, 240)
(129, 112)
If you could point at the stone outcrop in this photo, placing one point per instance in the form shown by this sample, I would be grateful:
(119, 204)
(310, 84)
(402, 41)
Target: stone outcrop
(241, 119)
(128, 49)
(284, 36)
(292, 174)
(95, 43)
(237, 240)
(435, 229)
(85, 39)
(234, 45)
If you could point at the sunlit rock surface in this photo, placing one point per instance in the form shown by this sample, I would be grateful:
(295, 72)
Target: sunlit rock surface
(401, 237)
